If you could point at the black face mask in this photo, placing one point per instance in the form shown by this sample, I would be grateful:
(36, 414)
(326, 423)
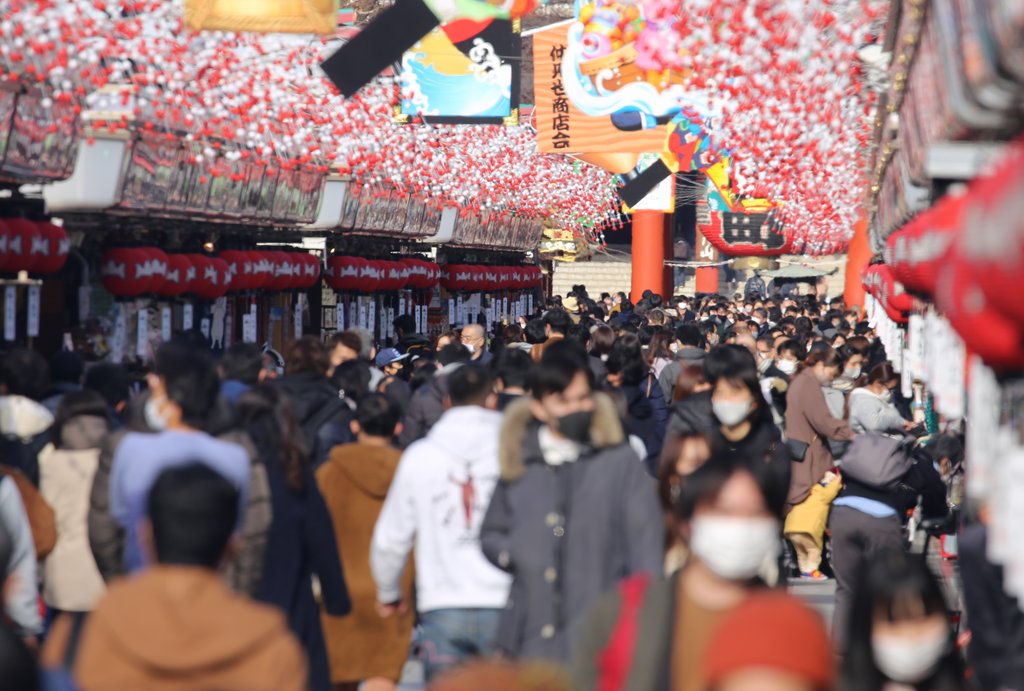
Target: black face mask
(576, 426)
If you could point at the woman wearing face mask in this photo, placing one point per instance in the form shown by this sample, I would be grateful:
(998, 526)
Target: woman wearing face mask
(649, 636)
(871, 408)
(900, 638)
(809, 426)
(743, 422)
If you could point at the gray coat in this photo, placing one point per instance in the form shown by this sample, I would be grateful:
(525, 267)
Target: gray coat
(869, 413)
(567, 533)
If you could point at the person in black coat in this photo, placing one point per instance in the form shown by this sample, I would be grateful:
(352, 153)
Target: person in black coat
(321, 414)
(427, 405)
(301, 541)
(646, 415)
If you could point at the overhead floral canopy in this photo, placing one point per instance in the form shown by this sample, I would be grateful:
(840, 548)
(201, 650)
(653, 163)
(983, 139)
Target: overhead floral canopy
(784, 73)
(262, 97)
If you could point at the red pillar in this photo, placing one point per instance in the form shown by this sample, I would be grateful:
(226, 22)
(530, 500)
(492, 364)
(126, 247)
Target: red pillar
(857, 258)
(707, 277)
(648, 253)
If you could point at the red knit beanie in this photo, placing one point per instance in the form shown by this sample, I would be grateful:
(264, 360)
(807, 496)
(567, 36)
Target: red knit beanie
(771, 631)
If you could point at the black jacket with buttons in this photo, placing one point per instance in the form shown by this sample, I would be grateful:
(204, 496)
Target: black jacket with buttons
(567, 533)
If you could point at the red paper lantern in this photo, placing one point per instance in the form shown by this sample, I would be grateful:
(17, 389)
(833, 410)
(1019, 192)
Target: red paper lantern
(213, 277)
(310, 270)
(125, 271)
(919, 250)
(344, 274)
(55, 245)
(155, 269)
(394, 275)
(737, 234)
(264, 269)
(371, 275)
(25, 245)
(176, 278)
(240, 266)
(986, 331)
(281, 273)
(458, 277)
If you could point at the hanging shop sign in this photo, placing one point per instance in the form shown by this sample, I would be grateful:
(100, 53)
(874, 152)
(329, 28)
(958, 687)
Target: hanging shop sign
(290, 16)
(464, 72)
(30, 148)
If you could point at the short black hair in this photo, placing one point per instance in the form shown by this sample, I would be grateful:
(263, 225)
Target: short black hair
(191, 380)
(558, 366)
(352, 379)
(469, 385)
(405, 323)
(194, 510)
(512, 367)
(377, 416)
(704, 483)
(559, 321)
(534, 331)
(791, 346)
(67, 366)
(452, 353)
(242, 362)
(110, 381)
(626, 358)
(690, 336)
(25, 373)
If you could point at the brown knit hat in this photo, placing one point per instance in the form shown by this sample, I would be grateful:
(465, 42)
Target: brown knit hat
(771, 631)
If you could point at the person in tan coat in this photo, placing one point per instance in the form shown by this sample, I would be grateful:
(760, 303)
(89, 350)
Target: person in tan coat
(176, 625)
(354, 482)
(808, 421)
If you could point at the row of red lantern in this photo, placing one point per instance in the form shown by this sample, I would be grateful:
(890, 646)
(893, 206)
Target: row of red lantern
(38, 247)
(472, 278)
(967, 252)
(879, 281)
(358, 275)
(134, 271)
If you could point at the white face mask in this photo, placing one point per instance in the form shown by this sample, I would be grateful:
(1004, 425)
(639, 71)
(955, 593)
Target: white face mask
(886, 396)
(154, 418)
(731, 413)
(787, 366)
(470, 347)
(734, 548)
(852, 372)
(673, 347)
(909, 661)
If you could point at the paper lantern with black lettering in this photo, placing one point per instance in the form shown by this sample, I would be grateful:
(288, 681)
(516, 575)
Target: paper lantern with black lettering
(123, 271)
(55, 248)
(343, 273)
(177, 277)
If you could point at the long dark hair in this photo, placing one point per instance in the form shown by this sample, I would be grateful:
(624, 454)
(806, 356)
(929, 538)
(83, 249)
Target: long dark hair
(887, 583)
(266, 415)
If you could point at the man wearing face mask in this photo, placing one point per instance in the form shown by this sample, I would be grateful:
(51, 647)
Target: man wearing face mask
(183, 396)
(648, 636)
(574, 512)
(475, 341)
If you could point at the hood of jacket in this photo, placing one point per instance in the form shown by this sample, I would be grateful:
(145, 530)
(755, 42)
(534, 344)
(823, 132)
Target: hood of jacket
(23, 418)
(308, 393)
(467, 434)
(690, 356)
(83, 432)
(605, 432)
(180, 621)
(366, 467)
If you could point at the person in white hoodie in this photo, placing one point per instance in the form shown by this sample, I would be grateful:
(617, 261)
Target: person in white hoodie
(436, 503)
(871, 408)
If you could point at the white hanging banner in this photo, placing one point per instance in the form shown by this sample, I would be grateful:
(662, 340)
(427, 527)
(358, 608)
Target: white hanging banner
(33, 311)
(339, 316)
(353, 315)
(120, 334)
(460, 312)
(254, 309)
(10, 316)
(504, 308)
(416, 315)
(165, 323)
(391, 322)
(186, 317)
(529, 304)
(248, 328)
(401, 304)
(298, 315)
(204, 326)
(142, 335)
(229, 330)
(371, 317)
(424, 319)
(451, 311)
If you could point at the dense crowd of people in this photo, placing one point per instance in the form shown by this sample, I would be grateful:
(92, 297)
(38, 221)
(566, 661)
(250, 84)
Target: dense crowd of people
(603, 495)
